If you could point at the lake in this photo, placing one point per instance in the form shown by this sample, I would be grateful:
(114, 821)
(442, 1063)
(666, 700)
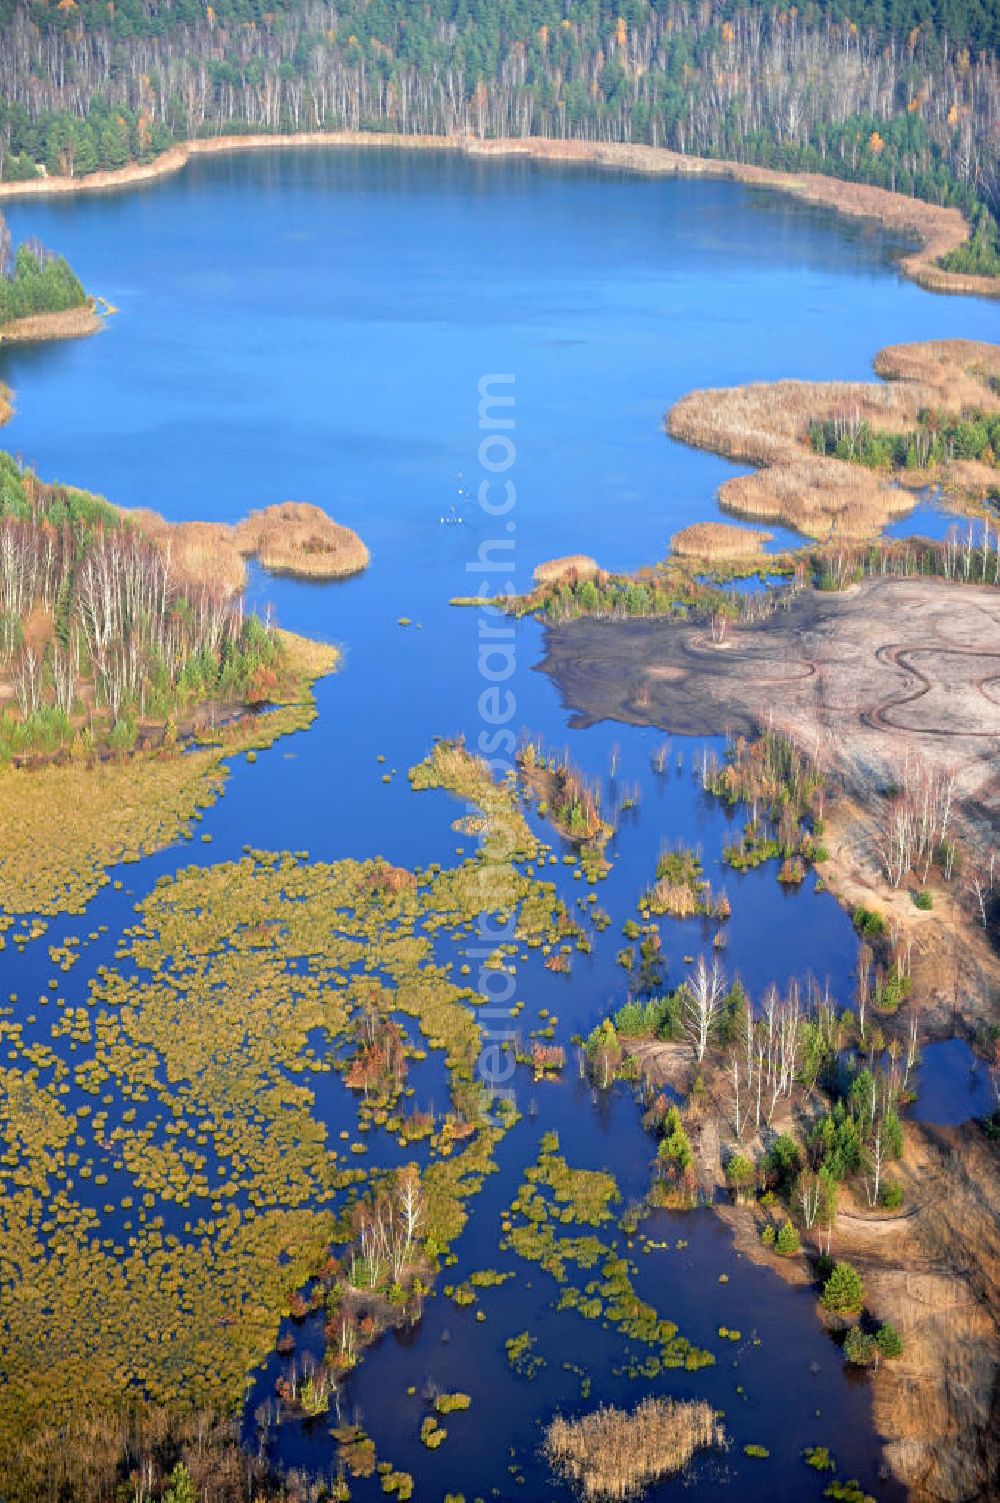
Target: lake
(315, 326)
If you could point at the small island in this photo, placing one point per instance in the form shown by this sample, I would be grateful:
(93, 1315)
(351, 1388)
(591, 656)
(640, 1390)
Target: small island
(41, 297)
(842, 459)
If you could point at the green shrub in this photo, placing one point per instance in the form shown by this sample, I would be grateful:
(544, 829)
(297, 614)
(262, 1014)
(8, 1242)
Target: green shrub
(819, 1458)
(788, 1243)
(180, 1488)
(870, 924)
(923, 899)
(892, 1195)
(859, 1348)
(824, 1267)
(889, 1341)
(784, 1161)
(767, 1236)
(843, 1292)
(740, 1174)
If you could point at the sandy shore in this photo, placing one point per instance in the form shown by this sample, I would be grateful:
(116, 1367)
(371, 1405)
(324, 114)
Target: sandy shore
(72, 323)
(938, 230)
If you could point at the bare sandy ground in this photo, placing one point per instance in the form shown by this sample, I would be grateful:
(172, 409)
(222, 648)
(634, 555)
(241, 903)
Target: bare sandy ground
(858, 676)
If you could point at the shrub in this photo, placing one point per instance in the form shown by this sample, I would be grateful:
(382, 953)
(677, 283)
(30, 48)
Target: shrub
(739, 1174)
(819, 1458)
(889, 1341)
(784, 1161)
(824, 1267)
(843, 1292)
(859, 1348)
(181, 1488)
(923, 899)
(892, 1195)
(767, 1235)
(788, 1243)
(871, 924)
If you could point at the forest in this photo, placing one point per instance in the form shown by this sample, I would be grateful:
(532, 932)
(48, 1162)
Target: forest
(99, 628)
(903, 95)
(33, 280)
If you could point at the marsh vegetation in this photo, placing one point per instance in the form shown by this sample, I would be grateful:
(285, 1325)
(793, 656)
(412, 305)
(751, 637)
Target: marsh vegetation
(797, 435)
(616, 1454)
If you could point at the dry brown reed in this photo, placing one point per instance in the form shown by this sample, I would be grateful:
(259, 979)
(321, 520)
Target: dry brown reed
(767, 425)
(718, 540)
(68, 323)
(295, 538)
(615, 1453)
(568, 570)
(203, 551)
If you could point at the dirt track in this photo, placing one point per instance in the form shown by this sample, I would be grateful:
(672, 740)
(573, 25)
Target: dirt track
(865, 675)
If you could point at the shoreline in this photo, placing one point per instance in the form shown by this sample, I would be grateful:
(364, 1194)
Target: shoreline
(939, 229)
(36, 328)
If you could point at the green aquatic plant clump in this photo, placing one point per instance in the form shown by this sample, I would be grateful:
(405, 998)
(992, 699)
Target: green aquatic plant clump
(555, 1196)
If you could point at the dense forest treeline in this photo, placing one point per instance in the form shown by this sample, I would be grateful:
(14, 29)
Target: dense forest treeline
(901, 93)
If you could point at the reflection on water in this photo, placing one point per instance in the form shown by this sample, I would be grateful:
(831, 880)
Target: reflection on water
(953, 1085)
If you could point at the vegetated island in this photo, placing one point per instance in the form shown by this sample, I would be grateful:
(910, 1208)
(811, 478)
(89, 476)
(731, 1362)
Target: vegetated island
(41, 297)
(943, 233)
(869, 683)
(129, 669)
(841, 459)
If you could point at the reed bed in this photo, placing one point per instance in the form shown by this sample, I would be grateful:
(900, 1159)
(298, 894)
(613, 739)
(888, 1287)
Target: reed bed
(295, 538)
(615, 1453)
(573, 568)
(767, 425)
(718, 541)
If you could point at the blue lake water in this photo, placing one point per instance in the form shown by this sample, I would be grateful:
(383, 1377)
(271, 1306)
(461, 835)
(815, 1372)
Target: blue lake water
(314, 326)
